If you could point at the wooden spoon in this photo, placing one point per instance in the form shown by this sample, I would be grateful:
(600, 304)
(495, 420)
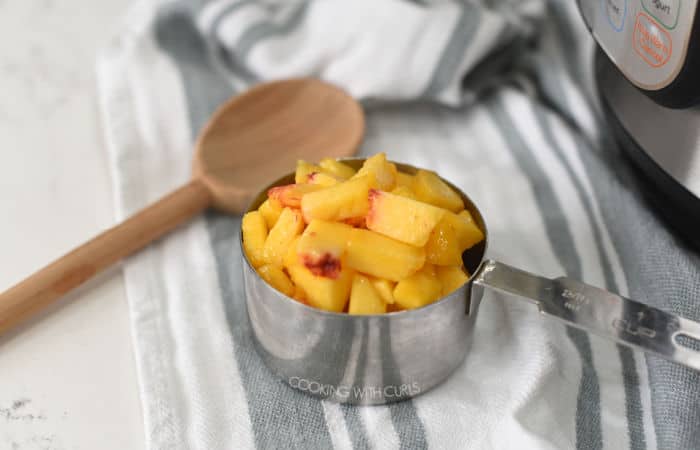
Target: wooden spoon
(249, 141)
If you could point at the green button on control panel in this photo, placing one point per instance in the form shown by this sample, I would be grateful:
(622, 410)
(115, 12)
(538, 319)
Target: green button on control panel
(664, 11)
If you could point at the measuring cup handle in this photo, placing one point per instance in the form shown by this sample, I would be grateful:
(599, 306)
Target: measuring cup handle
(599, 312)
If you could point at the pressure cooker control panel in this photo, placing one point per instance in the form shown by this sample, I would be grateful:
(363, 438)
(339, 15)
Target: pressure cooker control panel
(652, 44)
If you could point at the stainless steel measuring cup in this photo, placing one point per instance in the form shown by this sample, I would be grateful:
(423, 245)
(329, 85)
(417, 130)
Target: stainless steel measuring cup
(377, 359)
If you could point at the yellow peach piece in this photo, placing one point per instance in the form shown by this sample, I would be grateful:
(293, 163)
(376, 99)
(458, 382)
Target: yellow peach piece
(383, 172)
(404, 191)
(299, 295)
(380, 256)
(443, 247)
(468, 233)
(330, 294)
(254, 231)
(431, 189)
(322, 246)
(304, 169)
(356, 222)
(277, 279)
(291, 258)
(290, 195)
(337, 168)
(364, 299)
(271, 210)
(321, 179)
(394, 307)
(402, 218)
(419, 289)
(384, 288)
(288, 226)
(343, 201)
(404, 180)
(451, 278)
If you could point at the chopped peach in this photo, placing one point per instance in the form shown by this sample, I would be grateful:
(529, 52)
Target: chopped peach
(277, 279)
(337, 168)
(288, 226)
(322, 246)
(254, 235)
(304, 169)
(381, 256)
(364, 299)
(431, 189)
(394, 307)
(382, 171)
(404, 180)
(404, 191)
(394, 170)
(419, 289)
(401, 218)
(451, 278)
(321, 179)
(322, 292)
(299, 295)
(271, 210)
(384, 288)
(369, 241)
(356, 222)
(342, 201)
(290, 195)
(443, 246)
(291, 258)
(466, 230)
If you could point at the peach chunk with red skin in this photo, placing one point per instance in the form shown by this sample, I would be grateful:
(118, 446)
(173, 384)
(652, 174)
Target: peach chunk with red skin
(305, 170)
(321, 179)
(326, 265)
(337, 168)
(290, 195)
(321, 247)
(331, 294)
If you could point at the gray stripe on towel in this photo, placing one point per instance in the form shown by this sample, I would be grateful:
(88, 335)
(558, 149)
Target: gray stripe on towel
(266, 29)
(230, 61)
(353, 419)
(588, 429)
(177, 35)
(633, 401)
(404, 416)
(408, 425)
(453, 54)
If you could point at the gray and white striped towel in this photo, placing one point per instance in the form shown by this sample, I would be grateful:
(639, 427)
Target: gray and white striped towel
(496, 96)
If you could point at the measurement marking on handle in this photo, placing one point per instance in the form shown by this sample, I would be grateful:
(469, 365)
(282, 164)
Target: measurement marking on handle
(575, 300)
(630, 328)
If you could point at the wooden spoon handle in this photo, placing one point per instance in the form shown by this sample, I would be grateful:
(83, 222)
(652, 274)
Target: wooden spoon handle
(30, 296)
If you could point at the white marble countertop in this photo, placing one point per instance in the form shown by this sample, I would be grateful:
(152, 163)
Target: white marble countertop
(68, 379)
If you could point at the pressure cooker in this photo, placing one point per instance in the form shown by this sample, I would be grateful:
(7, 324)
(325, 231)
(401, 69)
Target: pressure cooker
(647, 70)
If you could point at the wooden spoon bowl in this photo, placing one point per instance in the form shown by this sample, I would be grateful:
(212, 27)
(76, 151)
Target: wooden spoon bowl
(254, 138)
(247, 143)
